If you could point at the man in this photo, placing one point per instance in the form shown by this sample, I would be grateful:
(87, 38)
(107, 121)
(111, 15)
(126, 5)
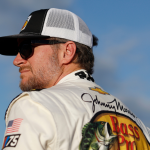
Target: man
(62, 108)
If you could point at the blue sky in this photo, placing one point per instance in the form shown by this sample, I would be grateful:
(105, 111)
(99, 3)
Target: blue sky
(121, 58)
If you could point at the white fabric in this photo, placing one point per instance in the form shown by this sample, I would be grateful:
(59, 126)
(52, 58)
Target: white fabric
(74, 35)
(53, 118)
(37, 126)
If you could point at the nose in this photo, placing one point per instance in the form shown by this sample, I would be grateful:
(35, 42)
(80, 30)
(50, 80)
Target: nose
(19, 60)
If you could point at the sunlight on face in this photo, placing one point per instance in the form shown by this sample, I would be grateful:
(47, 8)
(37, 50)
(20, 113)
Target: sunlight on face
(42, 71)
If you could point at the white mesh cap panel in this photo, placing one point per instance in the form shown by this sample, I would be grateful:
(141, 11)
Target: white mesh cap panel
(60, 19)
(148, 131)
(83, 27)
(65, 24)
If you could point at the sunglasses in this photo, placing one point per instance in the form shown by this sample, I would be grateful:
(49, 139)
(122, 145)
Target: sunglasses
(26, 48)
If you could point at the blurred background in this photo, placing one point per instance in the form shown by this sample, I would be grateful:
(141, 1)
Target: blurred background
(122, 64)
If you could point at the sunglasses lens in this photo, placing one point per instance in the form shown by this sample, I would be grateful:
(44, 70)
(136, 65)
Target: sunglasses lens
(26, 51)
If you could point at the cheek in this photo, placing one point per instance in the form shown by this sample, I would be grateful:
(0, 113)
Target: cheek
(42, 58)
(42, 51)
(40, 65)
(38, 60)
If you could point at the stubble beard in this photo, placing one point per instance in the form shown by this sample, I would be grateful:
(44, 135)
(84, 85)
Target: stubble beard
(42, 76)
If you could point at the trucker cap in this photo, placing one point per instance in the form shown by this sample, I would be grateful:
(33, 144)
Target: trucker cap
(46, 23)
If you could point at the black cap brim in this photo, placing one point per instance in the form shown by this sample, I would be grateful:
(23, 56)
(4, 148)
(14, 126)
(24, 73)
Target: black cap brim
(9, 45)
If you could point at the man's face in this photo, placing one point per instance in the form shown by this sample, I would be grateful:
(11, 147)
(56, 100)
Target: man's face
(40, 69)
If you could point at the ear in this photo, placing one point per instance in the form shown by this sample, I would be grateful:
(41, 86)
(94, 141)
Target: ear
(69, 50)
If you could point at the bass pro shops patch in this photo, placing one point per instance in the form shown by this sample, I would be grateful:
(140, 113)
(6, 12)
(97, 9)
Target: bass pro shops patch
(97, 136)
(112, 131)
(11, 140)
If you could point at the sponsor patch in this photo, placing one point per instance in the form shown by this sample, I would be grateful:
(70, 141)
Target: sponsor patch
(11, 140)
(13, 125)
(111, 131)
(25, 24)
(84, 75)
(97, 136)
(114, 105)
(96, 89)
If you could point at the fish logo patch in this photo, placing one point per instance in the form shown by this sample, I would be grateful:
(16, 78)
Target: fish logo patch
(111, 131)
(97, 136)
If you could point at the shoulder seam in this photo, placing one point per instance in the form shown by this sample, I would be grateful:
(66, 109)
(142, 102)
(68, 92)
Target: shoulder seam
(9, 105)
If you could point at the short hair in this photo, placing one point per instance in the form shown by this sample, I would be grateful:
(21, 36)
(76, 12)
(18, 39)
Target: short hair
(84, 54)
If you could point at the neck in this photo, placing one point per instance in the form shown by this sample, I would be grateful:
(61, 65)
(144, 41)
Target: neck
(67, 69)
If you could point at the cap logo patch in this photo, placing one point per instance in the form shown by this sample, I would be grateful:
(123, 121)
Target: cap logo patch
(25, 24)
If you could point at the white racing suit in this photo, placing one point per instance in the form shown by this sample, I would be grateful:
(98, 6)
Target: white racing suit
(75, 114)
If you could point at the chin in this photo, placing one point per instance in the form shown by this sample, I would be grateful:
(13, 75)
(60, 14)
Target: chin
(24, 85)
(24, 79)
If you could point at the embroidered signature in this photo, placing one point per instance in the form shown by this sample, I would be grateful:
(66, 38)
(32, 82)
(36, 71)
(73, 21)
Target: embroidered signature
(115, 105)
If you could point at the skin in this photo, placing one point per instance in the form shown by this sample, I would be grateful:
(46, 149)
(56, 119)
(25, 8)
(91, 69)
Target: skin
(47, 66)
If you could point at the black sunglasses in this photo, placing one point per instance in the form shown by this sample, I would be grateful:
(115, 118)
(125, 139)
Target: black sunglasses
(26, 48)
